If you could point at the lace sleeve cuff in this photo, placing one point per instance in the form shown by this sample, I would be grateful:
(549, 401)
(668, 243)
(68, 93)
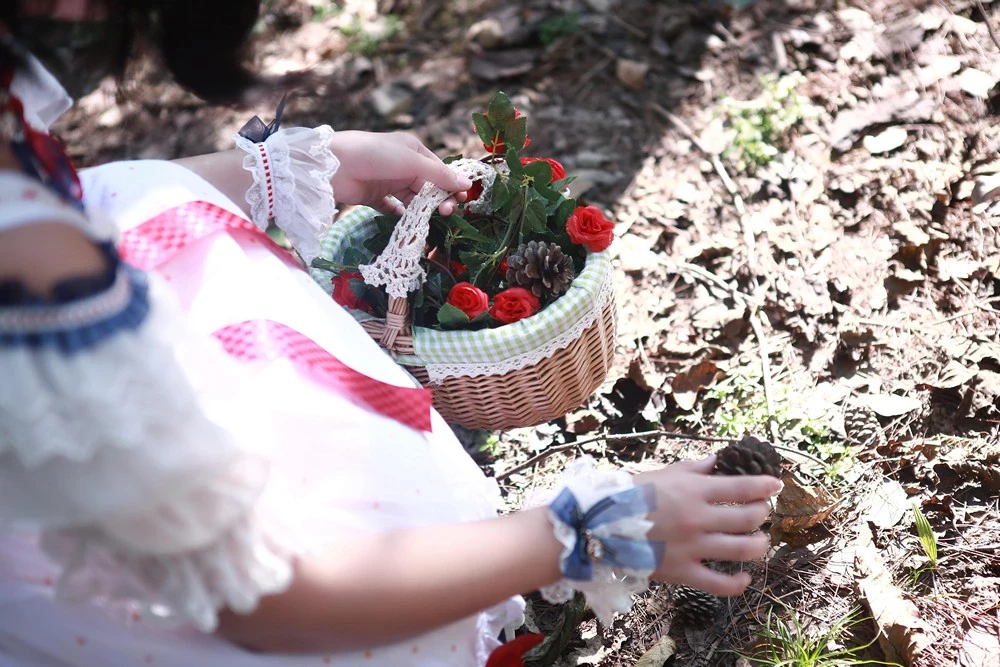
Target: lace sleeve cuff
(292, 170)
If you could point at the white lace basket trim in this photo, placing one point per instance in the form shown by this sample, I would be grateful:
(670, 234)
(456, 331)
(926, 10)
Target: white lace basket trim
(611, 590)
(398, 267)
(302, 166)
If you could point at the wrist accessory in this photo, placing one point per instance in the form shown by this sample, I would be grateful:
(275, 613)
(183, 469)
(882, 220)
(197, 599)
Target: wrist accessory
(600, 519)
(292, 170)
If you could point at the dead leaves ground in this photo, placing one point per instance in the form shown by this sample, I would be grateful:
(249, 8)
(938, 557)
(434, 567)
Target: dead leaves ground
(860, 268)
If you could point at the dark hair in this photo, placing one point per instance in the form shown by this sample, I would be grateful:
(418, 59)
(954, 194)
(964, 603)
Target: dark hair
(202, 42)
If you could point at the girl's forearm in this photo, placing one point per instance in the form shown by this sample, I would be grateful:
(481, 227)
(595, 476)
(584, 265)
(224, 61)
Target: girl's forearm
(390, 586)
(225, 171)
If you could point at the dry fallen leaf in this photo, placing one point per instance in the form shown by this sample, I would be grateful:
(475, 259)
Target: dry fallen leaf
(886, 505)
(980, 648)
(886, 141)
(890, 405)
(798, 509)
(658, 654)
(687, 384)
(902, 632)
(976, 82)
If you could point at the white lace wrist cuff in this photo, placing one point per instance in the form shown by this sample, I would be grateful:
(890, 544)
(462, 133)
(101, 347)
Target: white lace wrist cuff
(600, 519)
(292, 170)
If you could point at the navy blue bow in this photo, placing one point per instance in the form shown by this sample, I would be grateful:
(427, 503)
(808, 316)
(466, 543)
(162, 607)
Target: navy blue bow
(616, 551)
(257, 131)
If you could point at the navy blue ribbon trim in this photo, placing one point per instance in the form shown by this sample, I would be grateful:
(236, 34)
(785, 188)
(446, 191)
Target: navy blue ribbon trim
(634, 554)
(257, 131)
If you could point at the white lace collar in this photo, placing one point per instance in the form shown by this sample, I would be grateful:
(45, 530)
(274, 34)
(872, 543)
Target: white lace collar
(43, 97)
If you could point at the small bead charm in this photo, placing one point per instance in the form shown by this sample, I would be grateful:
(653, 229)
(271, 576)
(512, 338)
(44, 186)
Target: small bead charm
(594, 548)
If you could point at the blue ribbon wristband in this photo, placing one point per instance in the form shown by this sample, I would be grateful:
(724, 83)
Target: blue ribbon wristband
(596, 547)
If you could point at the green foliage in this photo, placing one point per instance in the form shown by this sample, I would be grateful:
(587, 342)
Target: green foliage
(759, 128)
(789, 643)
(554, 27)
(928, 540)
(368, 43)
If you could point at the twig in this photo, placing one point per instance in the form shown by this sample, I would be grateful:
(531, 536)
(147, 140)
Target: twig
(541, 456)
(765, 369)
(720, 169)
(799, 452)
(989, 23)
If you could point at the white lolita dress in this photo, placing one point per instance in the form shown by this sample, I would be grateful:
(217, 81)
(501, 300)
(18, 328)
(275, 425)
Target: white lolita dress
(153, 472)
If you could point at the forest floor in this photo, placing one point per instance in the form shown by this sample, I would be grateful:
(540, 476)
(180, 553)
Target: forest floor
(806, 197)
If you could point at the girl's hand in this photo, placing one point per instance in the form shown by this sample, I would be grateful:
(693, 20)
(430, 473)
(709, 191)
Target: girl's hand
(700, 516)
(375, 167)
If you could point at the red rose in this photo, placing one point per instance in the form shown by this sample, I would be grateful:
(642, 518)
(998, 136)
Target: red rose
(344, 294)
(469, 299)
(473, 193)
(497, 146)
(514, 304)
(457, 268)
(512, 653)
(558, 172)
(587, 226)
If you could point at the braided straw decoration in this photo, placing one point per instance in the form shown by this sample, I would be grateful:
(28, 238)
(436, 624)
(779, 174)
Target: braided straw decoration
(398, 267)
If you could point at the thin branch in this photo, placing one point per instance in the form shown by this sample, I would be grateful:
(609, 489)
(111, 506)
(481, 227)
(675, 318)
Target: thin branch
(541, 456)
(989, 23)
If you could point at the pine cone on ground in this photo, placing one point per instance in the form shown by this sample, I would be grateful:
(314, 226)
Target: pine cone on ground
(862, 427)
(749, 456)
(694, 608)
(540, 267)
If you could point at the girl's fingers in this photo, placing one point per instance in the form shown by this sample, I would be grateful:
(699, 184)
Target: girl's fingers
(717, 583)
(736, 518)
(719, 546)
(740, 489)
(390, 206)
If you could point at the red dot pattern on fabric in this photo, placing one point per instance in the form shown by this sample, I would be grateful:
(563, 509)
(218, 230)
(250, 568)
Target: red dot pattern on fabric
(82, 641)
(265, 160)
(160, 238)
(266, 339)
(368, 654)
(155, 241)
(149, 659)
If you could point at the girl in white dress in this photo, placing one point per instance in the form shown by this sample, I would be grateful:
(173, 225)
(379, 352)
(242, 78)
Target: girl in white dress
(191, 473)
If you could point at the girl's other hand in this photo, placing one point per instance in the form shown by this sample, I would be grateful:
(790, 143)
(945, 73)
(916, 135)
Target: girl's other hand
(374, 167)
(701, 517)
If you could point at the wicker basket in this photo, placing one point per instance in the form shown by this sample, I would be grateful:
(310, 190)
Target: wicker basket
(521, 394)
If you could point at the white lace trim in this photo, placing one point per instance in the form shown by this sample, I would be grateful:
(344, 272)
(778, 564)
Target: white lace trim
(610, 591)
(398, 267)
(142, 490)
(439, 372)
(302, 166)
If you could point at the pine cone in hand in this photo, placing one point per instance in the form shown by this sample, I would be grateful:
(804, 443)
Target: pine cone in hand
(540, 267)
(862, 427)
(749, 456)
(694, 608)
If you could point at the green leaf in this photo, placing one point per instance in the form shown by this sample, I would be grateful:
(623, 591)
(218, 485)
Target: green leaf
(355, 257)
(540, 172)
(514, 164)
(480, 266)
(564, 183)
(501, 110)
(468, 231)
(359, 288)
(484, 128)
(561, 214)
(502, 195)
(515, 133)
(452, 158)
(326, 265)
(926, 534)
(434, 286)
(451, 317)
(534, 217)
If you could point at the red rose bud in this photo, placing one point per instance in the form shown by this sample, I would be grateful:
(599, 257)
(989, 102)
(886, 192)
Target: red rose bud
(343, 293)
(503, 266)
(497, 146)
(512, 653)
(457, 268)
(588, 226)
(469, 299)
(473, 193)
(513, 304)
(558, 172)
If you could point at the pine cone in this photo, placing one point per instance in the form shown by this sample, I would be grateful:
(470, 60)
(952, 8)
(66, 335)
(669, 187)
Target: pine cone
(862, 427)
(540, 267)
(749, 456)
(695, 608)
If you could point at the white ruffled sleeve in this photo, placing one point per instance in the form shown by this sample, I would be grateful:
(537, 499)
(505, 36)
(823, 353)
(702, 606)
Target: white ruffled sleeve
(292, 170)
(139, 490)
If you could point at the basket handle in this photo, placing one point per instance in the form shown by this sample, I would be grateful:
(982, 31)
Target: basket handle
(398, 267)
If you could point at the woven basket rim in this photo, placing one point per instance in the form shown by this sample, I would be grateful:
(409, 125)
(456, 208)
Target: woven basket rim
(597, 267)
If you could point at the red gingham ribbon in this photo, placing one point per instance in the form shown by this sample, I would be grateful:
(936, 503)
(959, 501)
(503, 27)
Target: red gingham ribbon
(150, 244)
(265, 160)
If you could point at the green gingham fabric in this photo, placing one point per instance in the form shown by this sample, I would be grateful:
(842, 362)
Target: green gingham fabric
(489, 346)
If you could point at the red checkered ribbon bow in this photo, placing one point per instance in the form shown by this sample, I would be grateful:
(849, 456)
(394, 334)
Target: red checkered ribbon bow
(155, 241)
